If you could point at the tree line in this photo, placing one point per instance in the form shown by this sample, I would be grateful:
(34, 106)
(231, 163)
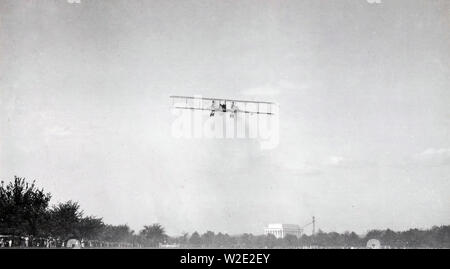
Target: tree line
(436, 237)
(25, 211)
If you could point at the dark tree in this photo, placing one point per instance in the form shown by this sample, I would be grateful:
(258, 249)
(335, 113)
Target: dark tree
(389, 238)
(245, 240)
(440, 237)
(352, 240)
(23, 208)
(65, 220)
(195, 239)
(223, 241)
(259, 241)
(207, 239)
(271, 241)
(290, 241)
(220, 240)
(153, 234)
(320, 239)
(119, 233)
(305, 240)
(90, 227)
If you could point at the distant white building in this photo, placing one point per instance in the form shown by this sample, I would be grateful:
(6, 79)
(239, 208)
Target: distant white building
(281, 230)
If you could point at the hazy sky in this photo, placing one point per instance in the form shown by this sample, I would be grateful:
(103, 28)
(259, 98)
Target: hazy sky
(364, 94)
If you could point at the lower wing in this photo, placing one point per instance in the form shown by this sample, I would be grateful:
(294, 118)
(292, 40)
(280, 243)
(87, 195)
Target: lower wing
(228, 110)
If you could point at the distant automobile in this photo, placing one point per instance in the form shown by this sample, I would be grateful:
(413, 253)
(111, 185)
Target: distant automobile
(73, 243)
(373, 244)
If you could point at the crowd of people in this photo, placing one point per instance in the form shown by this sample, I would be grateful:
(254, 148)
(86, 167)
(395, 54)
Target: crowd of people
(11, 241)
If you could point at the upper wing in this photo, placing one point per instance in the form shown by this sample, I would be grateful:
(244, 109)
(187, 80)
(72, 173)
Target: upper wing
(220, 100)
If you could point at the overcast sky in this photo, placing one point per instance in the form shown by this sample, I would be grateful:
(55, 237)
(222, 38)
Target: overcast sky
(364, 94)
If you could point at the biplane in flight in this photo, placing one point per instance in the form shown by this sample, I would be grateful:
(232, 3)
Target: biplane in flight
(214, 105)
